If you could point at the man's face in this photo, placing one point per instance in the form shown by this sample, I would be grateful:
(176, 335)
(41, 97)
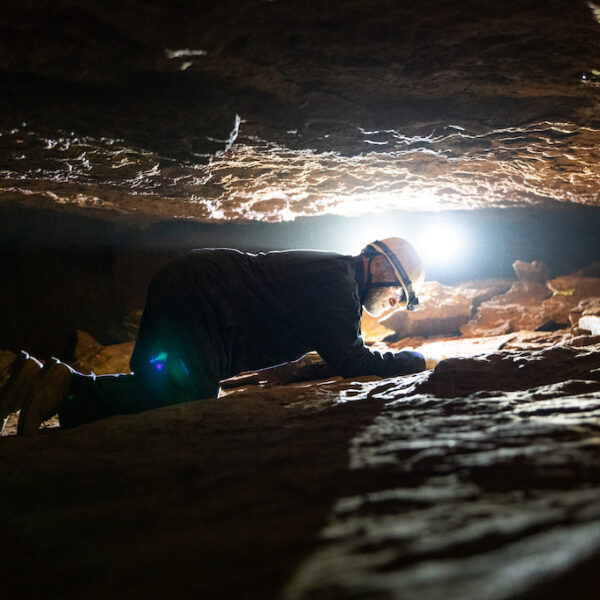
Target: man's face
(380, 300)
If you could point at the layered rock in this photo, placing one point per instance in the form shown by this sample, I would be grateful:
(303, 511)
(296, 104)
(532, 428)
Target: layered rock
(257, 111)
(517, 309)
(586, 316)
(497, 307)
(87, 355)
(567, 293)
(443, 309)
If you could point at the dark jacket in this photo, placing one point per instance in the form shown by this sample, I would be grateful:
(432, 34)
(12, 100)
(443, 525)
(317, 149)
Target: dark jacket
(222, 312)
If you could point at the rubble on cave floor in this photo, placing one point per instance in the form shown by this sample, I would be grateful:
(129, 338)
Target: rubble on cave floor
(479, 479)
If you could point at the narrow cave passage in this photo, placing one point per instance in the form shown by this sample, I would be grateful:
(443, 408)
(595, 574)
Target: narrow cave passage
(132, 132)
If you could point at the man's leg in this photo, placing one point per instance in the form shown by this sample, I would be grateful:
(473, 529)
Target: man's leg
(82, 398)
(90, 398)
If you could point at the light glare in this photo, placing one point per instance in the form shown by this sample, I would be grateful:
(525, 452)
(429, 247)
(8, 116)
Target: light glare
(441, 245)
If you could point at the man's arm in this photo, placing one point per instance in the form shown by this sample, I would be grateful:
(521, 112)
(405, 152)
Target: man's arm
(338, 341)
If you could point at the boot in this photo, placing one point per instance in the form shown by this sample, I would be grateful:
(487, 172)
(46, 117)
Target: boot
(24, 372)
(47, 398)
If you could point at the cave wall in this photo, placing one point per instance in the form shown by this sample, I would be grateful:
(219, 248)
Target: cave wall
(270, 111)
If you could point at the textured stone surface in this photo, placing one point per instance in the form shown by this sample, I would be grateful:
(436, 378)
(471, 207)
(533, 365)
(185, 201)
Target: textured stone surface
(477, 480)
(535, 271)
(261, 110)
(89, 355)
(586, 315)
(590, 323)
(443, 309)
(568, 292)
(519, 308)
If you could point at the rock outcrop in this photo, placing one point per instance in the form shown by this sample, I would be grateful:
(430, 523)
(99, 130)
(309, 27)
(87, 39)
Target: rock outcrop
(256, 111)
(498, 307)
(517, 309)
(567, 293)
(586, 317)
(443, 309)
(87, 355)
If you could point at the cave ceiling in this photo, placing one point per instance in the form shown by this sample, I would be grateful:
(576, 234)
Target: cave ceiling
(271, 110)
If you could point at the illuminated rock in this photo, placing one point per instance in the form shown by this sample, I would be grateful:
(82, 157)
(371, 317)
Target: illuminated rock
(273, 114)
(88, 355)
(519, 308)
(536, 271)
(587, 315)
(568, 292)
(372, 329)
(443, 309)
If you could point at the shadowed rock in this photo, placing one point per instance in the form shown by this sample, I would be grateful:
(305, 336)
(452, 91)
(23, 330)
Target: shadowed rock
(479, 479)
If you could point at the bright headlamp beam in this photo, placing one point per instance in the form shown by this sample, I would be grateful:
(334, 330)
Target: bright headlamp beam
(441, 245)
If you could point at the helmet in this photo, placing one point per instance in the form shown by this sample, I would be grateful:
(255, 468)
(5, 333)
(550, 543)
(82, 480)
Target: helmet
(405, 263)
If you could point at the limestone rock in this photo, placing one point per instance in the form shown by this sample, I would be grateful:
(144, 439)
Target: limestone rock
(324, 490)
(511, 371)
(535, 271)
(443, 309)
(88, 355)
(586, 317)
(590, 323)
(517, 309)
(584, 340)
(6, 359)
(568, 292)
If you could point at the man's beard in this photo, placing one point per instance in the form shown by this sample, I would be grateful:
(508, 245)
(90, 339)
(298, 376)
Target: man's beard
(376, 301)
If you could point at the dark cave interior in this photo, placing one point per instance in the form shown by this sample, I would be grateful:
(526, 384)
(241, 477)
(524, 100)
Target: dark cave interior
(133, 131)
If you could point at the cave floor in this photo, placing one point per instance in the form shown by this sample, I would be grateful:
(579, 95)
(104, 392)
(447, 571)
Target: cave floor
(480, 479)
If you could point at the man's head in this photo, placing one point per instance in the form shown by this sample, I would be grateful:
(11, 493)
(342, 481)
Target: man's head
(394, 272)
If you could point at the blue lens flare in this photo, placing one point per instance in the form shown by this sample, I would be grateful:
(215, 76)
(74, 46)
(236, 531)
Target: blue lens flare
(159, 361)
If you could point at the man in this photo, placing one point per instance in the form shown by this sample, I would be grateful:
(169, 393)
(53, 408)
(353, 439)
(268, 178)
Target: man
(214, 313)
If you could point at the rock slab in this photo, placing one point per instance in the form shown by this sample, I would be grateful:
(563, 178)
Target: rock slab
(477, 480)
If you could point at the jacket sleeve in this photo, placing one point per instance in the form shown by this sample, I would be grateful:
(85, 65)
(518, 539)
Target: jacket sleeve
(337, 339)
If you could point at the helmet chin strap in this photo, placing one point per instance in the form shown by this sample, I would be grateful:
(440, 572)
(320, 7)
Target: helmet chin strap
(412, 300)
(368, 282)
